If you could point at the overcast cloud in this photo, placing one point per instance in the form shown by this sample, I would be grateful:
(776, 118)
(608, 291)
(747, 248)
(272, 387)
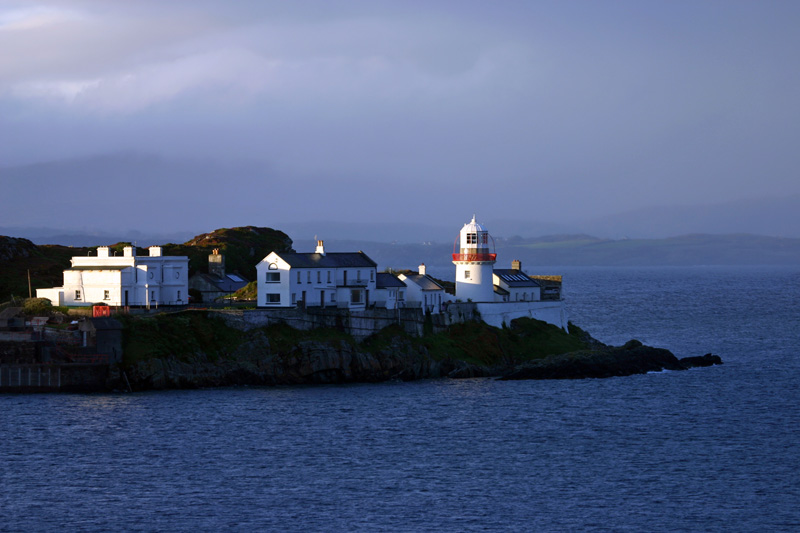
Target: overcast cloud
(356, 111)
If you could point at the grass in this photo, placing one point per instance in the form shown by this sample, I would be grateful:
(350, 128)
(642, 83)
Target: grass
(188, 333)
(181, 334)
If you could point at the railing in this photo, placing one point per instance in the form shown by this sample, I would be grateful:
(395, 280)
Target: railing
(363, 282)
(474, 257)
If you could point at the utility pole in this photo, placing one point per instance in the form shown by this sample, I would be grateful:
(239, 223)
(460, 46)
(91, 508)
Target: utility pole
(30, 293)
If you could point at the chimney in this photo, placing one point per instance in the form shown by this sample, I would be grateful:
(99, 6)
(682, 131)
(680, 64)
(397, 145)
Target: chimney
(216, 263)
(516, 264)
(129, 251)
(320, 248)
(102, 251)
(422, 269)
(155, 251)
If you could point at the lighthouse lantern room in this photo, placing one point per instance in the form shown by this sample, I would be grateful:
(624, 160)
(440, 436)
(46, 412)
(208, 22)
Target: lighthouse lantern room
(474, 264)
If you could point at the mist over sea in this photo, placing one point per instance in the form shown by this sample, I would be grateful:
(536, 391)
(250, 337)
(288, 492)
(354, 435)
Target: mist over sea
(710, 449)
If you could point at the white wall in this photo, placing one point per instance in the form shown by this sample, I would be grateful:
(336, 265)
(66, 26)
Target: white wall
(497, 314)
(479, 287)
(164, 278)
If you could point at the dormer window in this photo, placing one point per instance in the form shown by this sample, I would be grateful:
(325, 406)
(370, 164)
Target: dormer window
(472, 238)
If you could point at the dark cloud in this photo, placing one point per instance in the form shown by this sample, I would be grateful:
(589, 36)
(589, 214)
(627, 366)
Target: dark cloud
(358, 110)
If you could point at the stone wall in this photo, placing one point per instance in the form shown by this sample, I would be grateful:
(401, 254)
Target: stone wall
(359, 324)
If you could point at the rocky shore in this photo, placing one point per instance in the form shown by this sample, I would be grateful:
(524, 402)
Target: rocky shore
(256, 362)
(632, 358)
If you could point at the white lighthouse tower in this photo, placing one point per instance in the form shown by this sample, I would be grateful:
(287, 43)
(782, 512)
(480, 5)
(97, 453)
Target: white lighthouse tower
(474, 264)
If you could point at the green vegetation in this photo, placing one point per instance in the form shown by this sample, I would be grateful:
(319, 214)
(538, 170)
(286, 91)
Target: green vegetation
(481, 344)
(248, 292)
(178, 334)
(37, 307)
(243, 248)
(283, 338)
(189, 333)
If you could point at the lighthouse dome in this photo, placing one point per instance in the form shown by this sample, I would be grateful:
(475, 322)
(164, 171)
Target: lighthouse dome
(472, 227)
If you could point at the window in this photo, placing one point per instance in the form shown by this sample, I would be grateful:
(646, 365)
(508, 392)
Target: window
(372, 275)
(333, 297)
(152, 295)
(358, 275)
(308, 276)
(355, 296)
(484, 238)
(467, 275)
(329, 276)
(274, 298)
(400, 295)
(273, 266)
(298, 277)
(179, 295)
(273, 277)
(106, 295)
(294, 298)
(319, 276)
(472, 238)
(77, 295)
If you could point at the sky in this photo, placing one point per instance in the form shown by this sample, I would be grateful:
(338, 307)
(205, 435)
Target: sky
(199, 114)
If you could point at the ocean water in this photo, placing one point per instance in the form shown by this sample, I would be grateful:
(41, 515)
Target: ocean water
(708, 449)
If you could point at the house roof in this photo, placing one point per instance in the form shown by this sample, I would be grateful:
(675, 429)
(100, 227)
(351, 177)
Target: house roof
(500, 290)
(426, 283)
(386, 280)
(328, 260)
(515, 278)
(230, 283)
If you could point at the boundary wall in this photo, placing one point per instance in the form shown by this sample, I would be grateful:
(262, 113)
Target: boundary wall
(363, 323)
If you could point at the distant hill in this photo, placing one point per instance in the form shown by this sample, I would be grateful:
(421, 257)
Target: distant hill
(243, 248)
(778, 217)
(586, 250)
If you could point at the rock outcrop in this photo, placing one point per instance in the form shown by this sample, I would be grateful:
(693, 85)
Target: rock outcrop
(309, 362)
(632, 358)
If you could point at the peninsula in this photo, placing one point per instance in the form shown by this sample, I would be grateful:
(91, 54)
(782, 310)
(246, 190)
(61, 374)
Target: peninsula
(321, 317)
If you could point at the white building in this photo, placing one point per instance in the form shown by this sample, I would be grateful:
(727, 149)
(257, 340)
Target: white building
(390, 291)
(424, 291)
(514, 285)
(317, 279)
(502, 295)
(126, 280)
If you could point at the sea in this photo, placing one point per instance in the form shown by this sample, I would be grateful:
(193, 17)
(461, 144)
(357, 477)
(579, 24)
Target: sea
(706, 449)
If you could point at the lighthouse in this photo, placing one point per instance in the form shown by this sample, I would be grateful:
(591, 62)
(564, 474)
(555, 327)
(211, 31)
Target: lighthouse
(474, 264)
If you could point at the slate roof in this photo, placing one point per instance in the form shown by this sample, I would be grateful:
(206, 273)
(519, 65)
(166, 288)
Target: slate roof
(329, 260)
(515, 278)
(230, 283)
(386, 280)
(425, 283)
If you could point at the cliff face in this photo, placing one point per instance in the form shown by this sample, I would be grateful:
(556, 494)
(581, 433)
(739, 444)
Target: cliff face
(255, 362)
(193, 350)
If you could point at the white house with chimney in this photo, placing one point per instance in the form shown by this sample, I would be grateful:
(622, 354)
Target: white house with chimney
(424, 291)
(123, 280)
(319, 279)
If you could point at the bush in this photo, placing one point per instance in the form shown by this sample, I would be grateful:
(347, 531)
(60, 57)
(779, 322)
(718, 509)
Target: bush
(37, 306)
